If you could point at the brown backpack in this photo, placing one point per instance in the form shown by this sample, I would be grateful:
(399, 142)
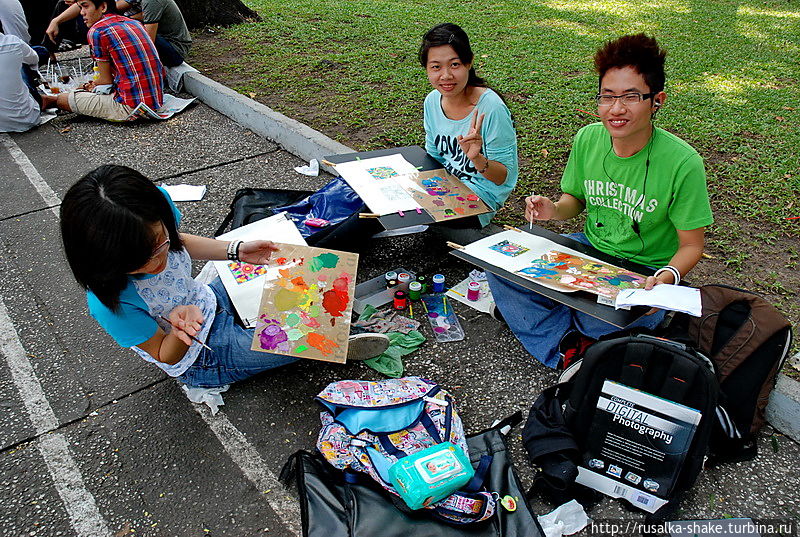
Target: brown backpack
(748, 340)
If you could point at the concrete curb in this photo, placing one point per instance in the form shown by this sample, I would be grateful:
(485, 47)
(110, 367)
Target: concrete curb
(295, 137)
(783, 411)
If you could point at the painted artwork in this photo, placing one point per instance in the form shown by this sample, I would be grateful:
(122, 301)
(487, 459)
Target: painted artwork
(581, 274)
(509, 248)
(305, 310)
(443, 195)
(382, 172)
(244, 272)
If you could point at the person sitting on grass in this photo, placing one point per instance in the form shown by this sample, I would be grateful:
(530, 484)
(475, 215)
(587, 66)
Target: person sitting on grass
(468, 127)
(130, 72)
(121, 239)
(643, 190)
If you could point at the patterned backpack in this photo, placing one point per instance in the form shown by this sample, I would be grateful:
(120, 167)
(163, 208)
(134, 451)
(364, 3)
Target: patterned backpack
(368, 426)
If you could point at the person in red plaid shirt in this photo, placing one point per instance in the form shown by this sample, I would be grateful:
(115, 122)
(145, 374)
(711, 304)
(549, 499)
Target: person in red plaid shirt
(130, 72)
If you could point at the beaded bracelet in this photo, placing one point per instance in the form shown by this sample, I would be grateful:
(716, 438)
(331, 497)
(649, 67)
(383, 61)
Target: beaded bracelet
(233, 250)
(676, 275)
(485, 167)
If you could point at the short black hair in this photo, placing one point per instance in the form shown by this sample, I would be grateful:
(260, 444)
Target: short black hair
(106, 220)
(451, 34)
(111, 5)
(638, 51)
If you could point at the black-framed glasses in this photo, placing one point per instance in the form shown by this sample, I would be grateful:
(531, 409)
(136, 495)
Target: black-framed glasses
(626, 98)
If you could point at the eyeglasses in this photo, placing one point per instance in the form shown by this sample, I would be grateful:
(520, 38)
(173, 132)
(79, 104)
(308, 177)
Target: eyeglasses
(160, 249)
(625, 98)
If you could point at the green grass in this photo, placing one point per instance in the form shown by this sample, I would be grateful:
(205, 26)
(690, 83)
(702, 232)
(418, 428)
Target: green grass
(733, 81)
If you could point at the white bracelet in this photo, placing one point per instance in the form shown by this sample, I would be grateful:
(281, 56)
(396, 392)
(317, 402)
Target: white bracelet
(676, 275)
(233, 250)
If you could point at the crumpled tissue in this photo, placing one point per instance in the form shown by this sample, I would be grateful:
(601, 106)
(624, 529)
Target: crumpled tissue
(312, 169)
(565, 519)
(210, 396)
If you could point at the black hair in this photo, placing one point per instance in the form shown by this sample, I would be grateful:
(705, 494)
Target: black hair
(451, 34)
(638, 51)
(106, 220)
(111, 5)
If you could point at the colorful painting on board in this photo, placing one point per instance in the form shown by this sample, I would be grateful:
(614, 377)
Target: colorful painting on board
(382, 172)
(582, 274)
(306, 310)
(244, 272)
(444, 196)
(509, 248)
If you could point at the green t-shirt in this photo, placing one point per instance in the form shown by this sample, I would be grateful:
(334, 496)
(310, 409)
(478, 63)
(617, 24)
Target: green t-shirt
(171, 25)
(668, 195)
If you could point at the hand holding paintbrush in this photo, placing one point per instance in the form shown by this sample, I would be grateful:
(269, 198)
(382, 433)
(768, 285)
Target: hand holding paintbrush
(187, 324)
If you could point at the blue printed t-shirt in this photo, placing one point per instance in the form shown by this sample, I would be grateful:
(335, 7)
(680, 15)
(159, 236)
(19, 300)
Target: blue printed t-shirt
(147, 297)
(499, 144)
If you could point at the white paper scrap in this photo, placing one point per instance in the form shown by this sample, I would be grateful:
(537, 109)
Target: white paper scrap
(664, 296)
(184, 192)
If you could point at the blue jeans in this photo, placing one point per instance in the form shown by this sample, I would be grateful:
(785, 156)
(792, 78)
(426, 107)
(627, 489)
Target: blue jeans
(539, 323)
(232, 360)
(167, 53)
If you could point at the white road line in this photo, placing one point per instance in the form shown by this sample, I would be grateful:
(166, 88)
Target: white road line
(77, 499)
(255, 469)
(30, 171)
(83, 512)
(80, 505)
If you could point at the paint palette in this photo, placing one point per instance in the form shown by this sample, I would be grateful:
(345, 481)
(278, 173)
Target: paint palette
(442, 318)
(443, 195)
(305, 310)
(582, 274)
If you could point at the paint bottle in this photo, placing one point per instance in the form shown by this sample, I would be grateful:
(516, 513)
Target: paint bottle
(438, 283)
(423, 281)
(414, 290)
(391, 284)
(391, 275)
(402, 281)
(399, 300)
(473, 291)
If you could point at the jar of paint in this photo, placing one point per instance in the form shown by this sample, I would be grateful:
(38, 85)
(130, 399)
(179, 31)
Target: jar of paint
(473, 291)
(399, 300)
(438, 283)
(423, 281)
(402, 281)
(391, 275)
(414, 290)
(391, 284)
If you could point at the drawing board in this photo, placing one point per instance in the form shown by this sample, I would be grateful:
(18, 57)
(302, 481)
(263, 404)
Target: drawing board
(306, 308)
(243, 281)
(375, 180)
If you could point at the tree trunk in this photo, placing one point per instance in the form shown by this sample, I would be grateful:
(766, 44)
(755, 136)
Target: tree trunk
(198, 13)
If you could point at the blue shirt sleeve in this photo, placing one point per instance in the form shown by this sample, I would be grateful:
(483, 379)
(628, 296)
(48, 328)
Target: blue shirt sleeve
(174, 208)
(131, 324)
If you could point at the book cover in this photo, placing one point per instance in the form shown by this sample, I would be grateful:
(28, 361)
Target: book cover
(636, 445)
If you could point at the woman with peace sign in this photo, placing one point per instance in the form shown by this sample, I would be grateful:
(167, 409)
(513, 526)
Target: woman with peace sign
(468, 127)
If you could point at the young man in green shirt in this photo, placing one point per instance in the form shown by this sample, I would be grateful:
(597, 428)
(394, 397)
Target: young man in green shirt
(643, 189)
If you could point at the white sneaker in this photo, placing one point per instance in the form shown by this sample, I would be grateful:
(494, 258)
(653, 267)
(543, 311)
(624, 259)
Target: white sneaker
(366, 346)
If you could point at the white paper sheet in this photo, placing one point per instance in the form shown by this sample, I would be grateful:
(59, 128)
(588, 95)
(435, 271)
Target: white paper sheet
(536, 247)
(377, 181)
(184, 192)
(246, 296)
(664, 296)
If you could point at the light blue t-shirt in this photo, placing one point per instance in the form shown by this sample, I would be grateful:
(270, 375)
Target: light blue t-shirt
(499, 144)
(149, 296)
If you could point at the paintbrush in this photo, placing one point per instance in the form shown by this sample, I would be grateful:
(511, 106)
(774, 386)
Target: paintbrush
(191, 336)
(444, 304)
(411, 309)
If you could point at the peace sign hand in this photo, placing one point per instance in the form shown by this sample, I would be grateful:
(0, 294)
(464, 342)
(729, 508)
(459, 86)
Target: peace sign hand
(472, 143)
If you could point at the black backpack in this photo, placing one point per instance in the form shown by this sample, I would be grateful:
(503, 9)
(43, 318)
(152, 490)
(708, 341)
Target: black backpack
(748, 340)
(562, 427)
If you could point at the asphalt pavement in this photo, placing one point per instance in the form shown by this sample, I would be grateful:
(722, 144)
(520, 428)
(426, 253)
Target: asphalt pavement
(94, 441)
